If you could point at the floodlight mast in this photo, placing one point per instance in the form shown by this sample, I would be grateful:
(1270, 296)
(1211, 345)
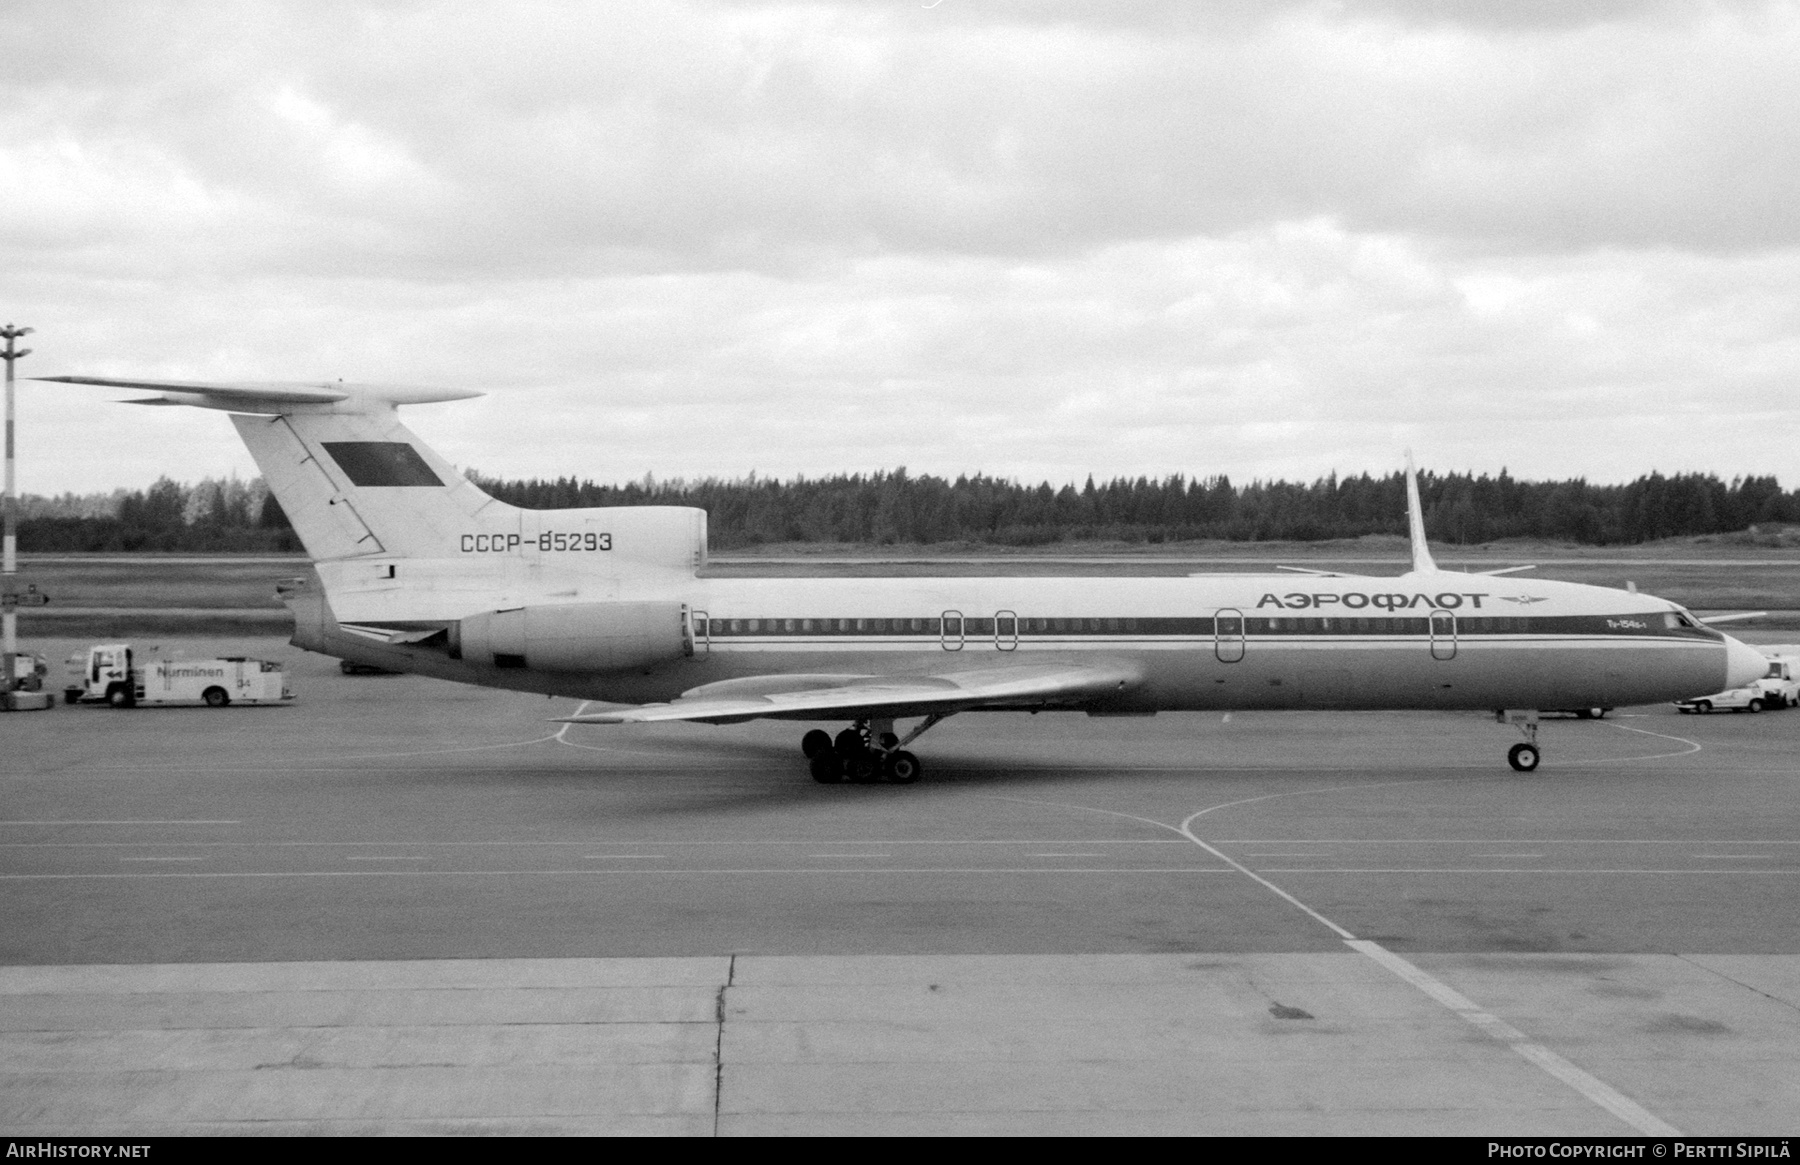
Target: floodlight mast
(9, 550)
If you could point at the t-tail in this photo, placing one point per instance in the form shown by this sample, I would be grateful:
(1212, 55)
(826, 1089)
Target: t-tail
(401, 538)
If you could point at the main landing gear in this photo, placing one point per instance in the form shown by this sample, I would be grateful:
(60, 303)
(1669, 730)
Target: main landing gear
(866, 752)
(1522, 757)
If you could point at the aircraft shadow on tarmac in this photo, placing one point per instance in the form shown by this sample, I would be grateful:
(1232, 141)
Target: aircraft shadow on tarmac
(765, 774)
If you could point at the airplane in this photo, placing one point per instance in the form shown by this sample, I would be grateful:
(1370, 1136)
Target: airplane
(420, 571)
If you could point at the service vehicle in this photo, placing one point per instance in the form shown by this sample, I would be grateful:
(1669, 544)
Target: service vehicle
(1748, 698)
(28, 672)
(109, 674)
(1779, 688)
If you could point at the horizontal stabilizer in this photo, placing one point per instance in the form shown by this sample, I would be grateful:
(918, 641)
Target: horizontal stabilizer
(267, 396)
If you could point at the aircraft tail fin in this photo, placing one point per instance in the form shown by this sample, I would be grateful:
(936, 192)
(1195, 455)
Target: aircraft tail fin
(362, 484)
(1415, 521)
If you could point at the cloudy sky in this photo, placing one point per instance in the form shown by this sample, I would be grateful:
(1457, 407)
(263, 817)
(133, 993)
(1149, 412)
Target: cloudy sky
(1030, 239)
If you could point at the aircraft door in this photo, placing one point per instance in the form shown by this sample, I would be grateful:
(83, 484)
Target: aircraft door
(1006, 630)
(1443, 635)
(950, 633)
(1228, 635)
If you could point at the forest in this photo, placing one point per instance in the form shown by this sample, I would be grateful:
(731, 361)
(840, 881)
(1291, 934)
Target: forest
(894, 507)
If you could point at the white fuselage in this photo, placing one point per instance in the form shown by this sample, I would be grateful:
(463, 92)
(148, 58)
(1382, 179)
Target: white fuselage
(1438, 640)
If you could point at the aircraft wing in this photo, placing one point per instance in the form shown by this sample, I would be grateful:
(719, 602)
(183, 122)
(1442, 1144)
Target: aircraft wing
(1020, 686)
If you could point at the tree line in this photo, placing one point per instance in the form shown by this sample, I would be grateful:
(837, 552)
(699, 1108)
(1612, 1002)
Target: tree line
(895, 507)
(215, 517)
(886, 508)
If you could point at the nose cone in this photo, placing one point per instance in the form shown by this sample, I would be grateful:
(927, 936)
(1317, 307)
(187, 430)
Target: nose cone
(1743, 663)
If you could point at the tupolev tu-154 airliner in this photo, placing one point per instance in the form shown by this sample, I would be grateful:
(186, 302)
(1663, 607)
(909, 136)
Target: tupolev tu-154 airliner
(418, 570)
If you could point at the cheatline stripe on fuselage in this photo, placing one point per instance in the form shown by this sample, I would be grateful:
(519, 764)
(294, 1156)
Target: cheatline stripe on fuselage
(1253, 646)
(1036, 629)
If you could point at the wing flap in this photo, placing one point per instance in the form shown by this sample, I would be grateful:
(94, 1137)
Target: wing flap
(1016, 685)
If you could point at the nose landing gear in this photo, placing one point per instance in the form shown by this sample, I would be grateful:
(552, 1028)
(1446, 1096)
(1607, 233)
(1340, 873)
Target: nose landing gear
(866, 752)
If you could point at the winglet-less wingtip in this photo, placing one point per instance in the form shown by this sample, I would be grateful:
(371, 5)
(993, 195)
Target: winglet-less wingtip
(1415, 520)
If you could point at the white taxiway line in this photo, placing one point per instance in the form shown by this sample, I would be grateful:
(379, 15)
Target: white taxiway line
(1468, 841)
(196, 821)
(560, 738)
(880, 871)
(1592, 1087)
(1693, 746)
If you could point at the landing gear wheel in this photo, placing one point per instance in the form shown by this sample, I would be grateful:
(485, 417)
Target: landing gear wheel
(1522, 757)
(215, 697)
(849, 742)
(815, 743)
(863, 768)
(902, 768)
(826, 768)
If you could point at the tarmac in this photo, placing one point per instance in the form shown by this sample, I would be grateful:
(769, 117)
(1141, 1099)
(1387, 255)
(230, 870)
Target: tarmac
(399, 905)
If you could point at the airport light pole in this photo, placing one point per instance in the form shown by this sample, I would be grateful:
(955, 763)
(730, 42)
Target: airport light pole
(9, 552)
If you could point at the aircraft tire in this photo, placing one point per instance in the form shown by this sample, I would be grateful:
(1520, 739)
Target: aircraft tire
(864, 768)
(902, 768)
(815, 743)
(826, 768)
(1523, 757)
(849, 742)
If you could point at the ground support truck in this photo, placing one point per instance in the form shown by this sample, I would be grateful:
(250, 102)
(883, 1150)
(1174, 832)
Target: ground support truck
(108, 674)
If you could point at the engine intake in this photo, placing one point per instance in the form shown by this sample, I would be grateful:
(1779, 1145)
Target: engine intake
(576, 637)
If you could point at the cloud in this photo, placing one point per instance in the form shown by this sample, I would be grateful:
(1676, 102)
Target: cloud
(565, 138)
(1027, 239)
